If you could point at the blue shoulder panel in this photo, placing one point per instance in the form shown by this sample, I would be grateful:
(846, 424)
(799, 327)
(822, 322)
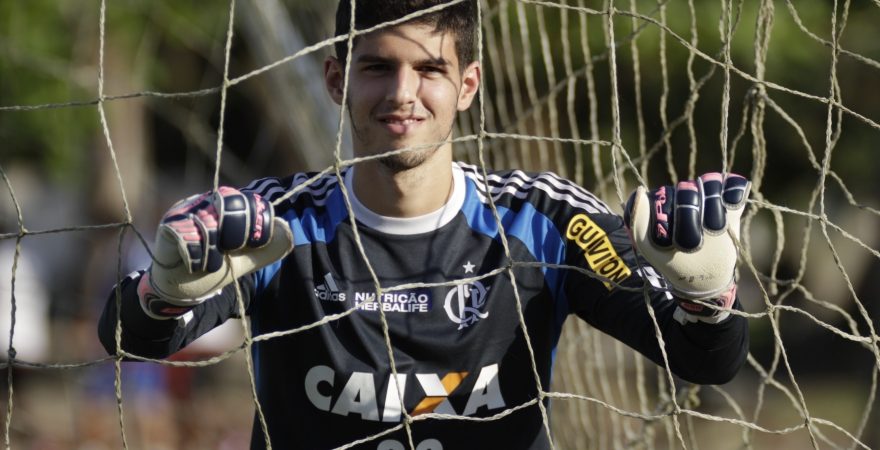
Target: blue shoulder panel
(313, 224)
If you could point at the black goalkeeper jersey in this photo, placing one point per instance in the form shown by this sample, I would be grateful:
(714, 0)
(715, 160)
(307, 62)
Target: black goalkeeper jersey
(453, 297)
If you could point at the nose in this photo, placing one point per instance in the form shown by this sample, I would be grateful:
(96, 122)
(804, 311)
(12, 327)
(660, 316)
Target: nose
(403, 86)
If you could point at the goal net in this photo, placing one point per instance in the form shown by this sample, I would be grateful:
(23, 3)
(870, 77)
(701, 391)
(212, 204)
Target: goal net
(111, 111)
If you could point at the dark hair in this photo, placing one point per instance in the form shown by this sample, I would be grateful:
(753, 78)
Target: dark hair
(459, 19)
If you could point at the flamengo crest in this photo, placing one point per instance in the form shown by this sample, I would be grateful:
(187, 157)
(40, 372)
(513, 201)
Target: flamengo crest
(464, 301)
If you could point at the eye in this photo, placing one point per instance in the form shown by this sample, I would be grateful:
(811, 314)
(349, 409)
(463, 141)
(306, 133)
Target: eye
(433, 70)
(375, 68)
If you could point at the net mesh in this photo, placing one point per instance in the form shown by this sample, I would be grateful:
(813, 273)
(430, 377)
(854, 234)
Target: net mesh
(615, 95)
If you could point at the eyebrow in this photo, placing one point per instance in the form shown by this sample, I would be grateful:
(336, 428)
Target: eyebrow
(372, 59)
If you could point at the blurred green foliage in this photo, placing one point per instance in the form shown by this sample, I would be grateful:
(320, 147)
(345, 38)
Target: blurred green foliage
(38, 41)
(49, 54)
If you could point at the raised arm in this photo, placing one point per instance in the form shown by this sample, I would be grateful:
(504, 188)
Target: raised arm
(203, 243)
(679, 242)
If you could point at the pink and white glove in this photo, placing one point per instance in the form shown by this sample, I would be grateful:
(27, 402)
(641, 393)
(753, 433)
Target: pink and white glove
(192, 242)
(682, 232)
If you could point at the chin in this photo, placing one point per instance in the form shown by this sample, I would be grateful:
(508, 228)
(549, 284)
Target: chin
(406, 161)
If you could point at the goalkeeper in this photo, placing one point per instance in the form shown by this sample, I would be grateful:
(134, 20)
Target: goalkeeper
(424, 221)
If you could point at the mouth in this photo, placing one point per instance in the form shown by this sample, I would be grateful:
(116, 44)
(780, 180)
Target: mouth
(400, 125)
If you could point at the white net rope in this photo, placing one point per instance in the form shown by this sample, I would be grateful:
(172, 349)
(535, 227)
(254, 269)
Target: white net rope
(544, 67)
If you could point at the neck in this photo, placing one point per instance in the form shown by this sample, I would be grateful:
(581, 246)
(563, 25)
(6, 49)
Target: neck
(408, 193)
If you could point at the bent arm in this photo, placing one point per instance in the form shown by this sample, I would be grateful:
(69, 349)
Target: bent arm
(152, 338)
(699, 352)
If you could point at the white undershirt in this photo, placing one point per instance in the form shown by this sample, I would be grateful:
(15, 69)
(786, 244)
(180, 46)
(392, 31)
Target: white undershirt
(409, 225)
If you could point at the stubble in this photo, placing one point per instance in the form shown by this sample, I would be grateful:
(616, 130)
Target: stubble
(408, 159)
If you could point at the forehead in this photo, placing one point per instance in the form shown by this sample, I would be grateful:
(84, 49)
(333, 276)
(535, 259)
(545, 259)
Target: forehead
(407, 43)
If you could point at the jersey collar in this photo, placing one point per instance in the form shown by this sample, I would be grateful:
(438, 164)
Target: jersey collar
(410, 225)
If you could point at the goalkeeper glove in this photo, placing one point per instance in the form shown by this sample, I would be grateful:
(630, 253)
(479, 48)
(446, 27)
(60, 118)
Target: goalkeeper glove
(682, 232)
(192, 241)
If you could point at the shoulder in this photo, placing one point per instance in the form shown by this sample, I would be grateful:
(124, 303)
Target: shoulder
(311, 188)
(546, 191)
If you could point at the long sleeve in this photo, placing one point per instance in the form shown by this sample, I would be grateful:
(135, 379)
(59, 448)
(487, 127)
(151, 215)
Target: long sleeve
(151, 338)
(698, 352)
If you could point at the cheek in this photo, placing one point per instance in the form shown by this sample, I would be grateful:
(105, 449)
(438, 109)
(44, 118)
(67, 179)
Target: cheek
(362, 94)
(442, 98)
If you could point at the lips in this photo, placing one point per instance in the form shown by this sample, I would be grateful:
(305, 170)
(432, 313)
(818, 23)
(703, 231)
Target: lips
(396, 124)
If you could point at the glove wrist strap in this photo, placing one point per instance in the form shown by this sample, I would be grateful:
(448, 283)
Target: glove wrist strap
(156, 306)
(690, 311)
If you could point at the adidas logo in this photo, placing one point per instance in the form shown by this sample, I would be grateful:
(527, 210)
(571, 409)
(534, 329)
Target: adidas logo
(328, 291)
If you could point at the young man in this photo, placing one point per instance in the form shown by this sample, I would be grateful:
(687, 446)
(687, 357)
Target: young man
(423, 221)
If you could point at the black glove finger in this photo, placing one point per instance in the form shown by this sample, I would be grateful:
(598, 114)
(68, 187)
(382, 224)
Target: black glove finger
(261, 217)
(662, 217)
(191, 235)
(183, 209)
(688, 227)
(234, 213)
(627, 210)
(210, 259)
(196, 253)
(714, 213)
(736, 191)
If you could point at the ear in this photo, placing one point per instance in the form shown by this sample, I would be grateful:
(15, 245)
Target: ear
(470, 85)
(334, 78)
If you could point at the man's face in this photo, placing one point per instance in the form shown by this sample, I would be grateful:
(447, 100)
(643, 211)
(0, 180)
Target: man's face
(405, 88)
